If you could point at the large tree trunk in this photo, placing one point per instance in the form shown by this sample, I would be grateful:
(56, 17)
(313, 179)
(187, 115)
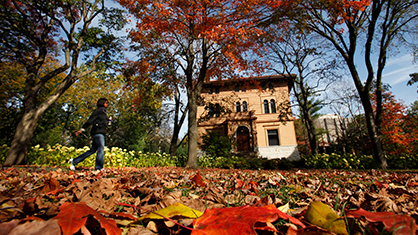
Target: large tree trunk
(193, 133)
(374, 134)
(21, 140)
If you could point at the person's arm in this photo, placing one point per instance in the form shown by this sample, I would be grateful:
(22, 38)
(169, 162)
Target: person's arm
(89, 122)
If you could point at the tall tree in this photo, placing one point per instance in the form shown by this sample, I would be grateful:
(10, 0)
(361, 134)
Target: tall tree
(33, 30)
(370, 27)
(313, 64)
(201, 39)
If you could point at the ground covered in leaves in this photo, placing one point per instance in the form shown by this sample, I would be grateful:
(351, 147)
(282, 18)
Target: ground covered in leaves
(116, 201)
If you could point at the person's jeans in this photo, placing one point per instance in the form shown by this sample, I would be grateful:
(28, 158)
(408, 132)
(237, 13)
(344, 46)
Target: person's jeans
(97, 146)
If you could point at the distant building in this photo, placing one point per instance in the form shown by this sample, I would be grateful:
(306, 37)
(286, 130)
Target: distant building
(255, 111)
(334, 126)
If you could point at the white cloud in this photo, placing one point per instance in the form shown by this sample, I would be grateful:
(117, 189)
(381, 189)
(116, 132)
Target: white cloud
(398, 69)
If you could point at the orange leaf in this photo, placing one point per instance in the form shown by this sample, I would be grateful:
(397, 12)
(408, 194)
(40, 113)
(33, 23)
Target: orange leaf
(198, 180)
(399, 224)
(238, 220)
(73, 216)
(50, 185)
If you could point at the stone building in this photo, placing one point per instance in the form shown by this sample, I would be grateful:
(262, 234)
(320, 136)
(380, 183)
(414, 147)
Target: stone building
(255, 111)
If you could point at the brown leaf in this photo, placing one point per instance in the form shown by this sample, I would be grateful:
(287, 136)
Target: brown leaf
(50, 185)
(49, 227)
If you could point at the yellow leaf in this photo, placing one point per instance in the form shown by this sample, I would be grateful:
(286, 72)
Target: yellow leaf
(177, 209)
(284, 208)
(321, 215)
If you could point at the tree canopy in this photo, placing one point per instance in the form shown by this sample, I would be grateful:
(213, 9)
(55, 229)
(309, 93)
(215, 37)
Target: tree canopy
(76, 32)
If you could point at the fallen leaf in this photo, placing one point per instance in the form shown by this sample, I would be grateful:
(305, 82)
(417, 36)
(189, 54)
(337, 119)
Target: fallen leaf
(398, 224)
(176, 209)
(321, 215)
(73, 216)
(49, 227)
(238, 220)
(198, 180)
(50, 185)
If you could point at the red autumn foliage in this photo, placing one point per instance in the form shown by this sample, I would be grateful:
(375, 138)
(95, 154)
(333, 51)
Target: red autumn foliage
(239, 220)
(73, 217)
(396, 138)
(198, 180)
(398, 224)
(131, 193)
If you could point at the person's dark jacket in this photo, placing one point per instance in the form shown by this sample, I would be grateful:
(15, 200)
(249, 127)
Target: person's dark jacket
(98, 121)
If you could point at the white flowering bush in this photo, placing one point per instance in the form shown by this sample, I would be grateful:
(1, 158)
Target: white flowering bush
(59, 155)
(114, 157)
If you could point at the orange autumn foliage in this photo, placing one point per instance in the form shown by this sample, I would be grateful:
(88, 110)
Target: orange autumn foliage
(396, 138)
(211, 35)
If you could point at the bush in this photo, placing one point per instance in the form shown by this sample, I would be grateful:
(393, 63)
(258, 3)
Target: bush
(216, 145)
(58, 155)
(336, 161)
(403, 161)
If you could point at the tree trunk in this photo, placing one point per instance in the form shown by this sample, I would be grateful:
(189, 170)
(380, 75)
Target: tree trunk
(374, 134)
(193, 133)
(311, 133)
(21, 140)
(178, 123)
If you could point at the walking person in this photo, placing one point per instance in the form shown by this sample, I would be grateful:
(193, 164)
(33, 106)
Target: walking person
(99, 122)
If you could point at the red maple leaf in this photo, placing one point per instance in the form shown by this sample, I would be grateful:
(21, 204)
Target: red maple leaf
(198, 180)
(73, 216)
(238, 220)
(399, 224)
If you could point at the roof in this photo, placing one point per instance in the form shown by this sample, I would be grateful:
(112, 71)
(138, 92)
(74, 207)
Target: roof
(289, 78)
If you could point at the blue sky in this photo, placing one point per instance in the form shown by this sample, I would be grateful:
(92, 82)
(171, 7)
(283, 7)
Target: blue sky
(396, 74)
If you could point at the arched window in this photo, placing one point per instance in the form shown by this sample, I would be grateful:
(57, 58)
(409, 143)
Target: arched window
(273, 106)
(266, 106)
(238, 107)
(244, 106)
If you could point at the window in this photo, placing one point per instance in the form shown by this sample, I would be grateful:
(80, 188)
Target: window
(238, 107)
(273, 106)
(266, 106)
(216, 90)
(273, 137)
(270, 86)
(244, 106)
(211, 110)
(214, 110)
(236, 88)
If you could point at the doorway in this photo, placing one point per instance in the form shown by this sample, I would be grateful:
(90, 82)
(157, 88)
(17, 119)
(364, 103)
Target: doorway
(243, 139)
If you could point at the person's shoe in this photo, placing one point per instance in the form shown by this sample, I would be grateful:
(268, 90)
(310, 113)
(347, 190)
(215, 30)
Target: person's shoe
(97, 171)
(72, 167)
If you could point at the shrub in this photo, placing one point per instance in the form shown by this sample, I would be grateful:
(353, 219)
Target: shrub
(216, 145)
(58, 155)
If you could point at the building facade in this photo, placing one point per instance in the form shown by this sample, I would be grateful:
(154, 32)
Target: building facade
(255, 111)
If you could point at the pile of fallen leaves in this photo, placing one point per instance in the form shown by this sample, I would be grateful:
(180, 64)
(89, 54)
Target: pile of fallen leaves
(207, 201)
